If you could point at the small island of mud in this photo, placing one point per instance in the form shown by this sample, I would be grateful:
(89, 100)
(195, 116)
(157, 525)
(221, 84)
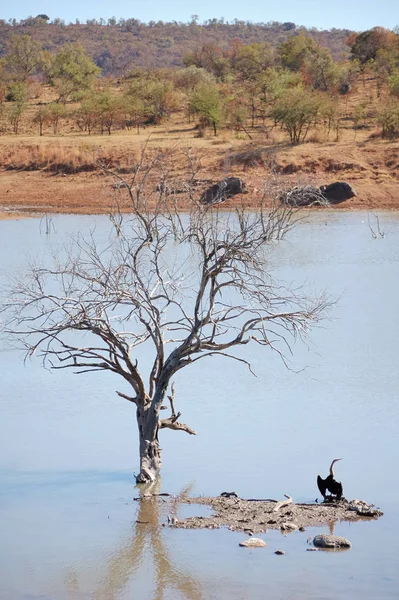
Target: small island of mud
(257, 516)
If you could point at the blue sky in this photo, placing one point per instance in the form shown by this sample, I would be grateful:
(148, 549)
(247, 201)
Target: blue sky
(351, 14)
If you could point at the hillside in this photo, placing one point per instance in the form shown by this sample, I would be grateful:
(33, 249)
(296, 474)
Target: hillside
(118, 46)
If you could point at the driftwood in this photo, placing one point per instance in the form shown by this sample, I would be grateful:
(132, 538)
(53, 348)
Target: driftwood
(325, 195)
(283, 503)
(304, 195)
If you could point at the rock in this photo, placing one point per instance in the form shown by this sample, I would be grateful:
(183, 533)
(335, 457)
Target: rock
(369, 512)
(312, 549)
(280, 552)
(288, 527)
(221, 191)
(301, 529)
(331, 541)
(337, 192)
(253, 542)
(363, 509)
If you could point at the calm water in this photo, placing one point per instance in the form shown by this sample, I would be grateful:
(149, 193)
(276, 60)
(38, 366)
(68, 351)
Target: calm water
(68, 445)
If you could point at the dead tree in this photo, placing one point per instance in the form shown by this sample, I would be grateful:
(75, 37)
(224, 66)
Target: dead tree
(187, 286)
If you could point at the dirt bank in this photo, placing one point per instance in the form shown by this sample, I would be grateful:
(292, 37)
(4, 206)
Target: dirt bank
(28, 184)
(40, 193)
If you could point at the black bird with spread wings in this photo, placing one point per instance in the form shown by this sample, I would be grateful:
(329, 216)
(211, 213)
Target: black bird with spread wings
(330, 484)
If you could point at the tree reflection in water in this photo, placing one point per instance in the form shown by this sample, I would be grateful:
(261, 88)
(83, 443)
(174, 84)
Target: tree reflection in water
(145, 549)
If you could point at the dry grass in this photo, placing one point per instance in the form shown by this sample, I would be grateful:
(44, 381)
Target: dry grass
(66, 158)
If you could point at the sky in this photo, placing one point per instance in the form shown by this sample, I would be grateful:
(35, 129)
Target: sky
(357, 15)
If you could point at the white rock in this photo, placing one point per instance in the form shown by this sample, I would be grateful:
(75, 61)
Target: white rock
(253, 542)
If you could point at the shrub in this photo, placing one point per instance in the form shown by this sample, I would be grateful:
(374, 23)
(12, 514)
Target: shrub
(388, 118)
(296, 110)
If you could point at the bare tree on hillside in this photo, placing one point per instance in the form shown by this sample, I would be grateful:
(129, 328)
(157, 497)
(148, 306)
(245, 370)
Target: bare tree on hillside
(183, 286)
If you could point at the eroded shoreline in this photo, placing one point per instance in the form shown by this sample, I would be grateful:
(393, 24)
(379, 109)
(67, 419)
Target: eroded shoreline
(37, 193)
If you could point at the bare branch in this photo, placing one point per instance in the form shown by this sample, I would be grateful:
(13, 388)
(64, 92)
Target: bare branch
(176, 426)
(129, 398)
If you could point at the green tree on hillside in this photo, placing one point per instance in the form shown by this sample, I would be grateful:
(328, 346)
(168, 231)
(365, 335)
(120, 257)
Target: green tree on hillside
(73, 71)
(393, 83)
(41, 117)
(385, 65)
(23, 58)
(18, 94)
(296, 110)
(49, 113)
(319, 69)
(156, 93)
(88, 114)
(250, 61)
(160, 99)
(210, 57)
(109, 110)
(293, 52)
(134, 111)
(274, 82)
(206, 102)
(3, 82)
(186, 79)
(388, 118)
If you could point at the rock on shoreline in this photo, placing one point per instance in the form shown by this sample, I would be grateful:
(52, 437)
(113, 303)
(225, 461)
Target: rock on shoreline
(331, 541)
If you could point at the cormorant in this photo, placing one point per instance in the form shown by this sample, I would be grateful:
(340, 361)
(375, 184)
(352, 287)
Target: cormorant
(330, 484)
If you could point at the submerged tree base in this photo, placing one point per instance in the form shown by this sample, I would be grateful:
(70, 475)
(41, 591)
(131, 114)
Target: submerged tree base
(257, 516)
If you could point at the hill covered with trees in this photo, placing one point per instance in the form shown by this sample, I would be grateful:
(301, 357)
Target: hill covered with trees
(118, 45)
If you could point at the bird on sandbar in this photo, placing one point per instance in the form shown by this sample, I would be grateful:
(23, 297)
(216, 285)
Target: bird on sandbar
(330, 484)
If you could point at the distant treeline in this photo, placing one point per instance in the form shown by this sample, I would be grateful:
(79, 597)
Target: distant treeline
(116, 45)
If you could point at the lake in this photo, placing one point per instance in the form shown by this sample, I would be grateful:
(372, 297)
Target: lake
(68, 444)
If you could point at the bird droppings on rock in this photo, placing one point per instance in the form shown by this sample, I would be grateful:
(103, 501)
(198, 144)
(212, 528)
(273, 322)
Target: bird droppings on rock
(331, 542)
(253, 542)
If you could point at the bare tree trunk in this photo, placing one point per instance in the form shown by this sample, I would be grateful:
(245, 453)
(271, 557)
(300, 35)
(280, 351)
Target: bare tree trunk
(150, 452)
(150, 458)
